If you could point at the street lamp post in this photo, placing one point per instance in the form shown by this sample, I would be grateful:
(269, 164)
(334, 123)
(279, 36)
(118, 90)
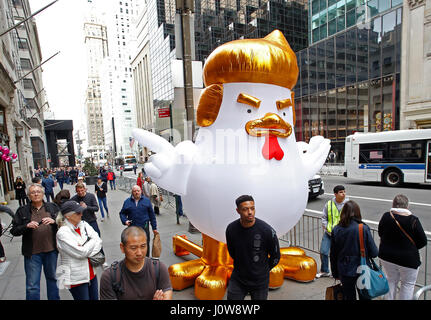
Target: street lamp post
(186, 9)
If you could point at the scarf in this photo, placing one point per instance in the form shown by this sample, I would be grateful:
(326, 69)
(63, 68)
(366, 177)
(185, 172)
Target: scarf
(401, 211)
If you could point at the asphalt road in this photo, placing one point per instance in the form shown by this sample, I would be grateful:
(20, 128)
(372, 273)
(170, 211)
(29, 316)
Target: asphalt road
(375, 199)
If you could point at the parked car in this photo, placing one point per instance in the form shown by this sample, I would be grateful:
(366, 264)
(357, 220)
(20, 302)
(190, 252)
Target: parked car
(315, 187)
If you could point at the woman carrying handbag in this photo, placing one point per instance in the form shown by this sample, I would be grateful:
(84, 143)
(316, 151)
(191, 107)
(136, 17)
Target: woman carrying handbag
(345, 253)
(401, 237)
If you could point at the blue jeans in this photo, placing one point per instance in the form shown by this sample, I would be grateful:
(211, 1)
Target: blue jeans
(95, 226)
(103, 201)
(86, 291)
(33, 268)
(237, 291)
(324, 252)
(49, 195)
(112, 183)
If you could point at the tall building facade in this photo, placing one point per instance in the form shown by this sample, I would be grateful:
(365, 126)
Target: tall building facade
(328, 17)
(221, 21)
(141, 69)
(21, 97)
(96, 44)
(215, 22)
(119, 117)
(33, 95)
(350, 81)
(416, 65)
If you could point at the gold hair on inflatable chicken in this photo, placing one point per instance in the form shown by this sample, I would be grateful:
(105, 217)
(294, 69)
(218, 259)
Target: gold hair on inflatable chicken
(268, 60)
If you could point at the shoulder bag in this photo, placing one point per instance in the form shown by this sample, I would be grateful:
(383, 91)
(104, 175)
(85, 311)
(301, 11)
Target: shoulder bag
(97, 259)
(371, 282)
(334, 292)
(401, 228)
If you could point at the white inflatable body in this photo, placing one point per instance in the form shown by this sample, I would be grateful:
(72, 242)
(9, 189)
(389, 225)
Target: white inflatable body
(226, 162)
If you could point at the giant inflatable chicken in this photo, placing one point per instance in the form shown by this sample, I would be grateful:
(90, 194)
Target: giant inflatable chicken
(245, 145)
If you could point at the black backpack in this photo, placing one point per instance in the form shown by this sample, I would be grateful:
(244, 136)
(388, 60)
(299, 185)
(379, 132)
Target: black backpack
(116, 283)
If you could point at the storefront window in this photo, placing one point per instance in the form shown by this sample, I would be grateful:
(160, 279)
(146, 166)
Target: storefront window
(374, 47)
(314, 116)
(352, 115)
(312, 70)
(341, 112)
(376, 106)
(322, 115)
(306, 119)
(388, 42)
(388, 103)
(304, 72)
(332, 111)
(363, 107)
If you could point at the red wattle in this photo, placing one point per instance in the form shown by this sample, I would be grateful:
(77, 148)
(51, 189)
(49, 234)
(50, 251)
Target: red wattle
(271, 148)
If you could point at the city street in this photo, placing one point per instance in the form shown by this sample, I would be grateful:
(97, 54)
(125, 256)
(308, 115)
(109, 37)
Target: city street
(375, 199)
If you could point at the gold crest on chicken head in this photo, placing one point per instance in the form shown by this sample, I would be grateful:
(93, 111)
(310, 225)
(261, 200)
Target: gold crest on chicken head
(268, 60)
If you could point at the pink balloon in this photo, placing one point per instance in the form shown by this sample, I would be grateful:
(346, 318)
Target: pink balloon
(6, 150)
(1, 148)
(8, 159)
(14, 155)
(4, 157)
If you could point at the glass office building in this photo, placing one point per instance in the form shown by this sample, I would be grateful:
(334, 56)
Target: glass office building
(351, 81)
(327, 17)
(216, 22)
(221, 21)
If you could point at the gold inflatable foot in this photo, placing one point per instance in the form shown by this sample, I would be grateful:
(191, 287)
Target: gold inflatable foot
(212, 283)
(297, 266)
(183, 275)
(211, 273)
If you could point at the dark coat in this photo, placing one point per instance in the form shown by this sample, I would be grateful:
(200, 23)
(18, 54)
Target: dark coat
(139, 214)
(23, 217)
(395, 246)
(20, 190)
(345, 251)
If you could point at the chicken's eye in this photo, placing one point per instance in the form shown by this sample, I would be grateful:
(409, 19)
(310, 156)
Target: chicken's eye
(284, 113)
(249, 110)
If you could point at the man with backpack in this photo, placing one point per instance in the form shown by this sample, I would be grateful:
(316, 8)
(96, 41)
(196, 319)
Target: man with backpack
(136, 277)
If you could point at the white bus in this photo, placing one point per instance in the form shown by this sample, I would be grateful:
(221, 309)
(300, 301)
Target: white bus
(126, 162)
(391, 157)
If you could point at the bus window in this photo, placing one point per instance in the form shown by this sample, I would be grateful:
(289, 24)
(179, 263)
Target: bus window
(407, 151)
(372, 153)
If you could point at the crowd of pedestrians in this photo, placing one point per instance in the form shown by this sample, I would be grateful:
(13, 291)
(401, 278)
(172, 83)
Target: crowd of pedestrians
(401, 236)
(60, 234)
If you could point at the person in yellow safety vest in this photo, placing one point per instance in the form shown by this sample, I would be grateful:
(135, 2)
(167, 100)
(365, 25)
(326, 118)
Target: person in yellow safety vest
(330, 218)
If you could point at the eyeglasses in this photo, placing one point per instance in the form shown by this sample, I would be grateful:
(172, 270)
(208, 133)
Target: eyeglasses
(36, 192)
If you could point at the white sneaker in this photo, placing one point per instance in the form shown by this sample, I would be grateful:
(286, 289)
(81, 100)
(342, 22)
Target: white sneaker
(102, 219)
(323, 274)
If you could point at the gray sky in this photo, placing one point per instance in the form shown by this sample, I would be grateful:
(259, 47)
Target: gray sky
(60, 28)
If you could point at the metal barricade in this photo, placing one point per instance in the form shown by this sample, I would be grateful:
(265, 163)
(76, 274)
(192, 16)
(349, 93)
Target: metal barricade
(308, 233)
(420, 291)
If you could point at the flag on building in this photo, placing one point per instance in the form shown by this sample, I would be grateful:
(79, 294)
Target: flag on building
(131, 142)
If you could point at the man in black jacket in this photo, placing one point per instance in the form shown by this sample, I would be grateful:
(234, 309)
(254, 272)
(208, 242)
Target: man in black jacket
(89, 202)
(254, 248)
(35, 222)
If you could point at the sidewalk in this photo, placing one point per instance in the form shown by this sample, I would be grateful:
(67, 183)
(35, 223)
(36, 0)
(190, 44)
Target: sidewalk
(12, 280)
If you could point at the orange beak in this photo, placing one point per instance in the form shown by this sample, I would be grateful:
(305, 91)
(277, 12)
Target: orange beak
(271, 124)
